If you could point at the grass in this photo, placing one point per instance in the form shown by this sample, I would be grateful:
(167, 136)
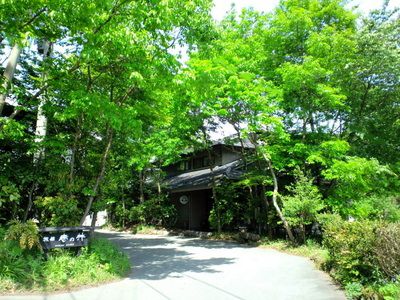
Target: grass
(310, 249)
(137, 229)
(144, 229)
(27, 271)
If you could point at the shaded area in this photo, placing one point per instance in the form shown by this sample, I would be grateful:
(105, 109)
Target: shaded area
(211, 244)
(157, 258)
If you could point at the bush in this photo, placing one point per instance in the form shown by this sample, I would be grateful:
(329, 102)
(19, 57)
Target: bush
(364, 257)
(302, 207)
(387, 249)
(9, 198)
(351, 250)
(390, 291)
(101, 262)
(108, 254)
(229, 210)
(11, 263)
(58, 211)
(353, 290)
(363, 188)
(27, 270)
(153, 212)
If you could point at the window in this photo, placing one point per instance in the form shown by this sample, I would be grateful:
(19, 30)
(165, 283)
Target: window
(198, 162)
(201, 162)
(184, 165)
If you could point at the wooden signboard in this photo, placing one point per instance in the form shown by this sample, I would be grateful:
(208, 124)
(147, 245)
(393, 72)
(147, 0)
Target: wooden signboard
(64, 237)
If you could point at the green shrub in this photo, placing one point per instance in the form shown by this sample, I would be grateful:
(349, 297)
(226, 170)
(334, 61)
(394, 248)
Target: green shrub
(351, 250)
(390, 291)
(153, 212)
(117, 262)
(122, 215)
(58, 211)
(220, 216)
(11, 263)
(364, 189)
(304, 203)
(387, 249)
(3, 233)
(364, 257)
(353, 290)
(26, 270)
(9, 198)
(229, 210)
(100, 262)
(137, 215)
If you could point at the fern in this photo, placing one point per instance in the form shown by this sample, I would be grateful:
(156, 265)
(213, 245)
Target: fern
(26, 234)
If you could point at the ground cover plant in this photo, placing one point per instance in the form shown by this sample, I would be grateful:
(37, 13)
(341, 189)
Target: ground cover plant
(24, 269)
(310, 249)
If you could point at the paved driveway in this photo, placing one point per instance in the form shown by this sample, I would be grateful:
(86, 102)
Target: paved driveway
(167, 267)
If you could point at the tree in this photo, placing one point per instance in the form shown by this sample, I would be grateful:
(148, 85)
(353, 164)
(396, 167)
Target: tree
(227, 90)
(371, 82)
(363, 188)
(302, 205)
(105, 81)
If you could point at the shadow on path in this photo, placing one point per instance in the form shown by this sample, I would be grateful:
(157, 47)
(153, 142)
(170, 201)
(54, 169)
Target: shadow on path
(210, 244)
(157, 258)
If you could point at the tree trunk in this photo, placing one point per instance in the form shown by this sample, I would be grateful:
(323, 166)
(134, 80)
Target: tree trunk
(214, 191)
(93, 223)
(123, 213)
(159, 188)
(40, 133)
(213, 182)
(30, 202)
(275, 202)
(141, 186)
(9, 74)
(242, 150)
(77, 137)
(304, 130)
(250, 203)
(41, 120)
(100, 175)
(312, 122)
(265, 201)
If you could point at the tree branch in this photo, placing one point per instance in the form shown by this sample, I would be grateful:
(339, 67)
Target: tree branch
(113, 13)
(34, 17)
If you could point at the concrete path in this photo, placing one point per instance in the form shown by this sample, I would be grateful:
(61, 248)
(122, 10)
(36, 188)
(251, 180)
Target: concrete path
(167, 267)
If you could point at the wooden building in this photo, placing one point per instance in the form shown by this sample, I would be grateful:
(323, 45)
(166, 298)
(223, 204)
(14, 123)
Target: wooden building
(190, 182)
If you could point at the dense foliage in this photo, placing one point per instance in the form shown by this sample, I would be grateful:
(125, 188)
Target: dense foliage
(94, 103)
(363, 256)
(87, 94)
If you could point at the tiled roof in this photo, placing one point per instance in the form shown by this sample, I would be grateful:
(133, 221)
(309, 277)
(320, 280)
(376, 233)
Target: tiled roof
(202, 179)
